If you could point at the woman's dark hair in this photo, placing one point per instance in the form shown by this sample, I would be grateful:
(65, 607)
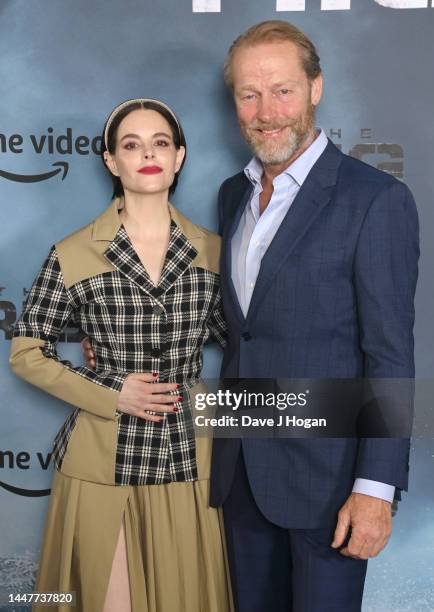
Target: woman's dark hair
(176, 129)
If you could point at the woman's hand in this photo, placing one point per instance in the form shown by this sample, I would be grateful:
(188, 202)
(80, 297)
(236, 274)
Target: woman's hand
(140, 394)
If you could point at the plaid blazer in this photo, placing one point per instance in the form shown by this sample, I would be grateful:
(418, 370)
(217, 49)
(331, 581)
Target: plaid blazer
(95, 278)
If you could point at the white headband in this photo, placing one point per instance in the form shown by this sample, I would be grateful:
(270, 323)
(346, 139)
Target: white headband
(140, 100)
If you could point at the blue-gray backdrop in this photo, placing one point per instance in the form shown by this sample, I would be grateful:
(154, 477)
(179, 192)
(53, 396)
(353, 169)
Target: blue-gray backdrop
(65, 65)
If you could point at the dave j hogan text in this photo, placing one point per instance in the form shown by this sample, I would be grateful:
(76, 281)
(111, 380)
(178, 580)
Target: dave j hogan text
(249, 421)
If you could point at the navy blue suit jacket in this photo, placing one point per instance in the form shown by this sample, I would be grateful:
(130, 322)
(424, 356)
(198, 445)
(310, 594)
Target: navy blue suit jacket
(333, 299)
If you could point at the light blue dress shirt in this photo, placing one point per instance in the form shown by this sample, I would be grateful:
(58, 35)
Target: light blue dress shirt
(254, 235)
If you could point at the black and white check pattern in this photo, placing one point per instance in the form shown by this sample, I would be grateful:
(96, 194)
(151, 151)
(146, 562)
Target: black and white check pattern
(135, 327)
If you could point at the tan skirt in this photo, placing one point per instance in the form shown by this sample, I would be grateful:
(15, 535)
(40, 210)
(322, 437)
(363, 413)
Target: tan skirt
(175, 546)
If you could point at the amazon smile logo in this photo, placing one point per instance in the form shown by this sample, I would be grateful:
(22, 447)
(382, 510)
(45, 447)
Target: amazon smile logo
(23, 460)
(49, 143)
(25, 492)
(36, 178)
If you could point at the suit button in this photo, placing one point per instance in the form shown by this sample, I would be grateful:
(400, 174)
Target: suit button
(155, 352)
(246, 336)
(157, 311)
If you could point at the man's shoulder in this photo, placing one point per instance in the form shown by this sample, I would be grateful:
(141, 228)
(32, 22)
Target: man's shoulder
(236, 181)
(231, 192)
(360, 184)
(358, 172)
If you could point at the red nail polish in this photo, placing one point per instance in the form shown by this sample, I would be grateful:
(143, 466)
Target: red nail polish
(175, 409)
(178, 386)
(180, 398)
(155, 374)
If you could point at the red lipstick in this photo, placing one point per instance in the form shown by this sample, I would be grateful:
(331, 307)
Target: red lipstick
(150, 170)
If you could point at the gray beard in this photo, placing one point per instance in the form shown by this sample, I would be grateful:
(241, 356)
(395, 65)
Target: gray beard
(277, 155)
(298, 134)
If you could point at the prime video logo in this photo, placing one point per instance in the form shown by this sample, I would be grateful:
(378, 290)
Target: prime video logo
(214, 6)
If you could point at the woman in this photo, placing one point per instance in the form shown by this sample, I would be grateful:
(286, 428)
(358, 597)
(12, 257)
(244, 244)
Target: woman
(129, 526)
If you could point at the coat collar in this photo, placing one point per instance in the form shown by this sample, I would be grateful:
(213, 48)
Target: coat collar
(121, 254)
(106, 226)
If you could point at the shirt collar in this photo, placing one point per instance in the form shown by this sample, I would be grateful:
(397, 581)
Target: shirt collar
(298, 170)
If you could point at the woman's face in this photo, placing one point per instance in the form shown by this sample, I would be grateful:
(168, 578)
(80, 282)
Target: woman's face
(145, 158)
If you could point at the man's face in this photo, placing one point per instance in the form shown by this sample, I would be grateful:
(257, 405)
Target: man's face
(275, 100)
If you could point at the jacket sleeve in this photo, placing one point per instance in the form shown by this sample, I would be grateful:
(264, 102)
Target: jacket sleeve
(217, 323)
(385, 275)
(33, 355)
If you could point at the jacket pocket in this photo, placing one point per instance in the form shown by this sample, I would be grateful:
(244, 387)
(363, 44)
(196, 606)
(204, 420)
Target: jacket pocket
(91, 450)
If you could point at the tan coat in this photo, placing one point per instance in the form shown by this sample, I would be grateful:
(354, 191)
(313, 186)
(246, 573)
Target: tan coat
(95, 278)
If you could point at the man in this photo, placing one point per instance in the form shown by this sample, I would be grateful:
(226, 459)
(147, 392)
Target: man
(318, 273)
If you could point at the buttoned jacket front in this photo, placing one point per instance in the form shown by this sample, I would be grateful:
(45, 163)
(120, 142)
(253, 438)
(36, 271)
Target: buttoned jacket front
(95, 278)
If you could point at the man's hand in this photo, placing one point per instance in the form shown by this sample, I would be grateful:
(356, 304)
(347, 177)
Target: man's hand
(370, 519)
(88, 353)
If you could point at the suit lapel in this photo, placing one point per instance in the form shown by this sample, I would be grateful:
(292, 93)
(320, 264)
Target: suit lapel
(315, 193)
(180, 254)
(121, 254)
(226, 263)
